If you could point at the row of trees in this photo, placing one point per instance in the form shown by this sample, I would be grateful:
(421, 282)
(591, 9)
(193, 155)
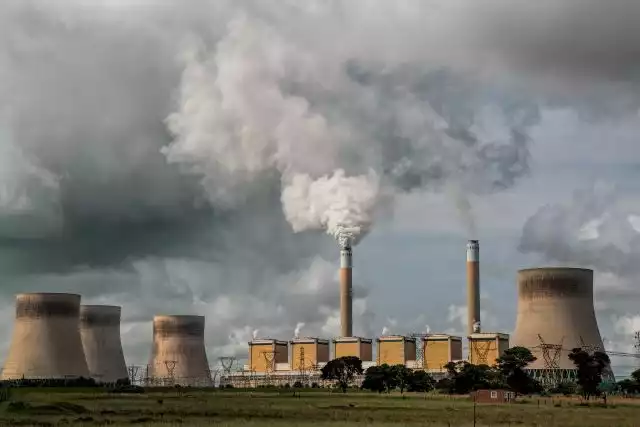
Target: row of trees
(463, 377)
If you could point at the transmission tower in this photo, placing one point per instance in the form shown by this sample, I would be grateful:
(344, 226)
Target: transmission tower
(481, 352)
(171, 366)
(269, 357)
(302, 366)
(550, 353)
(227, 364)
(421, 345)
(133, 373)
(589, 348)
(636, 344)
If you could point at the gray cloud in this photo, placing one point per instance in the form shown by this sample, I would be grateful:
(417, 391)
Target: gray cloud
(144, 148)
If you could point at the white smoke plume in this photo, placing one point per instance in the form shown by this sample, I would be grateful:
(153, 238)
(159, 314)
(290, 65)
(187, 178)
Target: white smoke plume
(254, 334)
(159, 154)
(299, 326)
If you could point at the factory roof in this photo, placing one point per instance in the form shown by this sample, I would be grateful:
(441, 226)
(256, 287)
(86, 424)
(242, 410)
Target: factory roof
(488, 335)
(309, 340)
(352, 339)
(266, 341)
(436, 337)
(394, 338)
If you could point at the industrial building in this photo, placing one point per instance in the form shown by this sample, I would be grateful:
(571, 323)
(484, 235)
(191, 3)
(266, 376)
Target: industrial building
(54, 337)
(46, 340)
(268, 355)
(361, 348)
(178, 356)
(396, 350)
(486, 347)
(438, 350)
(100, 334)
(556, 314)
(308, 353)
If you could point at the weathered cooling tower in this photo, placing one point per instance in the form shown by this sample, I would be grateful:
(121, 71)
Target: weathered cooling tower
(473, 286)
(346, 316)
(178, 355)
(100, 333)
(46, 338)
(555, 315)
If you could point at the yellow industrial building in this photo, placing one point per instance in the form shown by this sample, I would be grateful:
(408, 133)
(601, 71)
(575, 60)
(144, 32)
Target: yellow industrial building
(440, 349)
(486, 347)
(396, 350)
(353, 346)
(307, 353)
(265, 354)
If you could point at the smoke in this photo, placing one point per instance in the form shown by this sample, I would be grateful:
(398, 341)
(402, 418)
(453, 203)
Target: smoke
(593, 229)
(296, 332)
(159, 155)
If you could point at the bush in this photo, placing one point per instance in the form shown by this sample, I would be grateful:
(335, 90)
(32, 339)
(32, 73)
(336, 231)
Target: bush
(298, 384)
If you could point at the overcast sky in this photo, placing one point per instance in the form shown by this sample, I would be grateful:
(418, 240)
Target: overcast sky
(194, 158)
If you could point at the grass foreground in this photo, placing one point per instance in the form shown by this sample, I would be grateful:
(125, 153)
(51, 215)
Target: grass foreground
(44, 407)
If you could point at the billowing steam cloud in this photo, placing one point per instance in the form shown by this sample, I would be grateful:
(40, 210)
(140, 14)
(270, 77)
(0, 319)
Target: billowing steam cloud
(162, 154)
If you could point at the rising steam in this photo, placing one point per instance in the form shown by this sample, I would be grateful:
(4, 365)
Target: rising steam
(299, 326)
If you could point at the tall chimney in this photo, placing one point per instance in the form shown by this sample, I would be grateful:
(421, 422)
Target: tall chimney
(346, 317)
(473, 286)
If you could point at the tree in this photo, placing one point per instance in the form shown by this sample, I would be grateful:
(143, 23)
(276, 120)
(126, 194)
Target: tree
(465, 377)
(343, 370)
(590, 368)
(421, 382)
(511, 365)
(635, 375)
(380, 378)
(402, 376)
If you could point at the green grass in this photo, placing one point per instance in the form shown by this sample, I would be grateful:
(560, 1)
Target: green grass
(312, 408)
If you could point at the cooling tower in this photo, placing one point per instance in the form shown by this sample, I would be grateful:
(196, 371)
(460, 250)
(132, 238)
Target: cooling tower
(346, 316)
(178, 355)
(473, 286)
(46, 338)
(100, 333)
(555, 315)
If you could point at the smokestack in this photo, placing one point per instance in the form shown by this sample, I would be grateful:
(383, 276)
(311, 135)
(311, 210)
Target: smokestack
(473, 286)
(346, 316)
(46, 340)
(100, 333)
(179, 355)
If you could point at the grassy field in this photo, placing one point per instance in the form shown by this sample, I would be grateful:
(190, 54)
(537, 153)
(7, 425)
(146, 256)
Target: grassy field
(44, 407)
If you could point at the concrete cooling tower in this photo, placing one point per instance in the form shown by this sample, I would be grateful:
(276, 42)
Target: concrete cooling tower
(100, 333)
(46, 338)
(555, 315)
(178, 355)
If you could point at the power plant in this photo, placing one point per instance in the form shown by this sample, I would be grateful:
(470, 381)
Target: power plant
(556, 314)
(100, 334)
(46, 340)
(54, 337)
(178, 354)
